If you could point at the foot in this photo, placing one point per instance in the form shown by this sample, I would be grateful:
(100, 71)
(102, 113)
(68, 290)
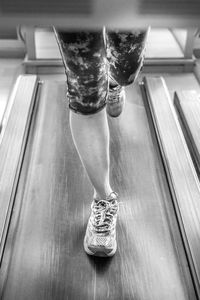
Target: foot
(116, 100)
(100, 237)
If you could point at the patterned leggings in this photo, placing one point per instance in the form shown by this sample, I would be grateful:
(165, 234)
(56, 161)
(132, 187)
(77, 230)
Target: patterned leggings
(92, 58)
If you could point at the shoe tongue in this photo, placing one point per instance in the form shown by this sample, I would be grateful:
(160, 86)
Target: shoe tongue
(110, 198)
(101, 203)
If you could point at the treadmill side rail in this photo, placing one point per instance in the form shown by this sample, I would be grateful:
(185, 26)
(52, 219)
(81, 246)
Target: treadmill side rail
(181, 174)
(13, 138)
(188, 107)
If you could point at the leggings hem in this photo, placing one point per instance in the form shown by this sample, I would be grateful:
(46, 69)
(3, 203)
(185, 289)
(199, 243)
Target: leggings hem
(87, 113)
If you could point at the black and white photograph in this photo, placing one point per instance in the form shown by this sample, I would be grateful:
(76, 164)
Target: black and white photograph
(100, 150)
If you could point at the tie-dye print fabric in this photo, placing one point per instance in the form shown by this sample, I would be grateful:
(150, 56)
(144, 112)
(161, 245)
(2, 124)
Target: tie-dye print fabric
(91, 58)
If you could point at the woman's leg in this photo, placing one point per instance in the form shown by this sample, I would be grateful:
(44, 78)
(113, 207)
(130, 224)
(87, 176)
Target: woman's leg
(83, 55)
(91, 138)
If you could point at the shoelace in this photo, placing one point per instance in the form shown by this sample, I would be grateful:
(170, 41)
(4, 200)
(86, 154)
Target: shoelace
(114, 93)
(104, 212)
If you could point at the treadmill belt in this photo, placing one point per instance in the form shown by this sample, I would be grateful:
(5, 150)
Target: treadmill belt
(44, 257)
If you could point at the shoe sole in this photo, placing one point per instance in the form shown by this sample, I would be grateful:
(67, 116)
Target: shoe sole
(96, 251)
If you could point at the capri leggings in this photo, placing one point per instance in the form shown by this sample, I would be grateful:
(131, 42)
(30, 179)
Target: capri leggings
(93, 59)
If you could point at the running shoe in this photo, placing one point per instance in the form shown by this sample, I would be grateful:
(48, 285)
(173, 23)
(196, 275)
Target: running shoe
(116, 100)
(100, 237)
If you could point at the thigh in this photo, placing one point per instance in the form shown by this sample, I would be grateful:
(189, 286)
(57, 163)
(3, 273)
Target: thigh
(83, 55)
(125, 54)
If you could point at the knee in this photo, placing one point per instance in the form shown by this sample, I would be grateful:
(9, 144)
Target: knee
(93, 115)
(86, 110)
(131, 74)
(87, 97)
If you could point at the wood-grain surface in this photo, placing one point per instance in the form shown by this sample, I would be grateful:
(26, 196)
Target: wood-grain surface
(188, 108)
(12, 143)
(44, 257)
(180, 170)
(9, 71)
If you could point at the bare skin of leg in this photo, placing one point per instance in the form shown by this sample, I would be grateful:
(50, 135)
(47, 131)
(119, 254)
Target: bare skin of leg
(91, 138)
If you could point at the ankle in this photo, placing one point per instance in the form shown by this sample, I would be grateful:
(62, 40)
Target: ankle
(104, 195)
